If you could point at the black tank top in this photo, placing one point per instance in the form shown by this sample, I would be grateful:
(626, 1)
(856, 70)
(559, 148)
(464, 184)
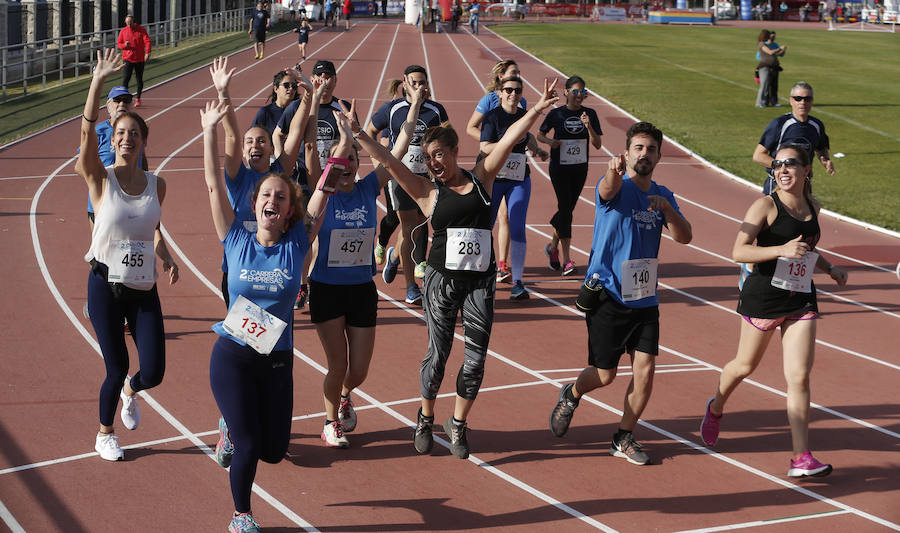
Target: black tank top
(759, 299)
(453, 210)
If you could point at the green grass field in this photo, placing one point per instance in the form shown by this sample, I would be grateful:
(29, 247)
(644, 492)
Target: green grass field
(44, 108)
(696, 84)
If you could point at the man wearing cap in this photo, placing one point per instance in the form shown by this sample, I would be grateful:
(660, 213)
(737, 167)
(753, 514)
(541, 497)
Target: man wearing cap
(796, 127)
(134, 43)
(118, 102)
(259, 23)
(327, 132)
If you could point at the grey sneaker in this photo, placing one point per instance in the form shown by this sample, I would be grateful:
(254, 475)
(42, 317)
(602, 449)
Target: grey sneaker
(459, 445)
(423, 438)
(628, 448)
(561, 416)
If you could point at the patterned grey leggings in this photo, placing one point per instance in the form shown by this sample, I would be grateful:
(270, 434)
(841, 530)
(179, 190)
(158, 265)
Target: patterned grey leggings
(444, 297)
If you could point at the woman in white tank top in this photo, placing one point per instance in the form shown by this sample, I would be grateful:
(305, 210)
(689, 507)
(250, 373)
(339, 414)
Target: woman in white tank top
(124, 244)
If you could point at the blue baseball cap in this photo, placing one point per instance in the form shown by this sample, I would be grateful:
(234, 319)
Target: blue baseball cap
(118, 90)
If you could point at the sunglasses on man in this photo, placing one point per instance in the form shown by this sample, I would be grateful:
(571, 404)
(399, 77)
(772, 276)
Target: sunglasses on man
(510, 90)
(125, 98)
(802, 98)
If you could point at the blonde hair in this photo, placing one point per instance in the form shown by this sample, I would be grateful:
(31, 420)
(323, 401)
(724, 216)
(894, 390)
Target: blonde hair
(497, 73)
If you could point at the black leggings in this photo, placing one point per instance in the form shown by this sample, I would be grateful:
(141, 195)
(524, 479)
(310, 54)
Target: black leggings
(568, 186)
(138, 76)
(146, 324)
(255, 394)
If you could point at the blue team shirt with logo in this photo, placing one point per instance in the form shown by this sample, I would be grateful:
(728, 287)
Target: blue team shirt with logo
(351, 210)
(269, 276)
(392, 115)
(625, 229)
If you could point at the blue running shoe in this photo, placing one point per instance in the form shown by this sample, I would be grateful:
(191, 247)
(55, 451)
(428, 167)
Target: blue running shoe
(390, 267)
(519, 292)
(243, 523)
(224, 448)
(413, 294)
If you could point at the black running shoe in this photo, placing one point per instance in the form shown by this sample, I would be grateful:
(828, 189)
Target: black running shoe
(459, 445)
(562, 413)
(630, 449)
(422, 438)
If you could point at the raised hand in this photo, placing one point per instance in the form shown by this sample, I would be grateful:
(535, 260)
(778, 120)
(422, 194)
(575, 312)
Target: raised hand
(221, 76)
(548, 96)
(616, 167)
(108, 62)
(350, 115)
(212, 114)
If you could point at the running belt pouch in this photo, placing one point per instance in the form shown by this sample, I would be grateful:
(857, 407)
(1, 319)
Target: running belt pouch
(120, 292)
(590, 297)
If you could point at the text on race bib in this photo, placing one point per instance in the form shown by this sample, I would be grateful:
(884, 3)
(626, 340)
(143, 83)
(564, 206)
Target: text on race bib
(795, 274)
(468, 249)
(414, 160)
(130, 261)
(573, 151)
(638, 279)
(350, 247)
(514, 168)
(253, 325)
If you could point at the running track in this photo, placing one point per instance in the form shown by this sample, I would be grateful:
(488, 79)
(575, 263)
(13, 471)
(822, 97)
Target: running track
(519, 477)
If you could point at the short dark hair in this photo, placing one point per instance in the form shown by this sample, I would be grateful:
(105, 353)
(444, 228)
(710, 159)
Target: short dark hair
(415, 68)
(444, 134)
(643, 128)
(573, 81)
(511, 78)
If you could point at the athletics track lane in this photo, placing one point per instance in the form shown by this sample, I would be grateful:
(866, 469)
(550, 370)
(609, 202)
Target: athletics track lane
(403, 492)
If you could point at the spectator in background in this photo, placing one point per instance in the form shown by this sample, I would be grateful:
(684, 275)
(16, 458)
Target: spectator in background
(474, 11)
(384, 8)
(134, 43)
(259, 23)
(782, 9)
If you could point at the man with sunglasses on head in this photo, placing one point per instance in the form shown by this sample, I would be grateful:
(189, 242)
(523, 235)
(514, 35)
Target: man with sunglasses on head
(797, 127)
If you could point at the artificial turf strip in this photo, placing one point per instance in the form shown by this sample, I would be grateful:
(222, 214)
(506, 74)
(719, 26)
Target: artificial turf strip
(696, 84)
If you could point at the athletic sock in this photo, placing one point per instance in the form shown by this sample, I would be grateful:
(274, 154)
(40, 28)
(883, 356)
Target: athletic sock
(457, 422)
(517, 251)
(620, 435)
(570, 395)
(328, 422)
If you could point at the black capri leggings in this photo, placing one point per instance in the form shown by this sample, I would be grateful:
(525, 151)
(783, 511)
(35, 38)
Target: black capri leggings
(138, 69)
(568, 186)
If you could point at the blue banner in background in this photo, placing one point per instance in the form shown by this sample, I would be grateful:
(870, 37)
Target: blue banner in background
(746, 9)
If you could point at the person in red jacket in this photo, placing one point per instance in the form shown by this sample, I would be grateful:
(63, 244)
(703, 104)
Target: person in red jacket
(348, 11)
(135, 45)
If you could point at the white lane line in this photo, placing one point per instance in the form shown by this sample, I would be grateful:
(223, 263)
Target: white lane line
(10, 520)
(693, 154)
(387, 56)
(758, 523)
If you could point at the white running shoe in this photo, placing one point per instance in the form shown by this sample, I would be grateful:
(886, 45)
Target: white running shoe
(347, 415)
(131, 413)
(107, 445)
(333, 435)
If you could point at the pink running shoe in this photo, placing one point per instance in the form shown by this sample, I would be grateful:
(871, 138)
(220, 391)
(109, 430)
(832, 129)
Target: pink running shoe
(808, 466)
(709, 428)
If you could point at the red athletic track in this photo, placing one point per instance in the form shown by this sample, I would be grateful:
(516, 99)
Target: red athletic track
(520, 476)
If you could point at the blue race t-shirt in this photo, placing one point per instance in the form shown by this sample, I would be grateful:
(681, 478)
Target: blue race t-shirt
(392, 115)
(625, 229)
(347, 216)
(240, 192)
(787, 129)
(268, 116)
(268, 276)
(492, 100)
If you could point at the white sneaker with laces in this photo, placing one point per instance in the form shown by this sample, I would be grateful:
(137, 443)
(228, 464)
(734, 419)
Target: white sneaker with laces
(131, 413)
(333, 435)
(107, 445)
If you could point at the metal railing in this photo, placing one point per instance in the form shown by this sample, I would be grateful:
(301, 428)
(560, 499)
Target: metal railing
(33, 66)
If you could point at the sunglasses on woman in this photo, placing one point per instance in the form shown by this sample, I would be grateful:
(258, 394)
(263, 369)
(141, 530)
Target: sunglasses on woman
(288, 85)
(510, 90)
(790, 162)
(578, 92)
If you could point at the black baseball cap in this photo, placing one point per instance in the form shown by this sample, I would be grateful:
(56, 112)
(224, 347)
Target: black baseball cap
(323, 66)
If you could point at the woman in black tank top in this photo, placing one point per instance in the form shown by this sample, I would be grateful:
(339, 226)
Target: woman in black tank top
(779, 234)
(460, 273)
